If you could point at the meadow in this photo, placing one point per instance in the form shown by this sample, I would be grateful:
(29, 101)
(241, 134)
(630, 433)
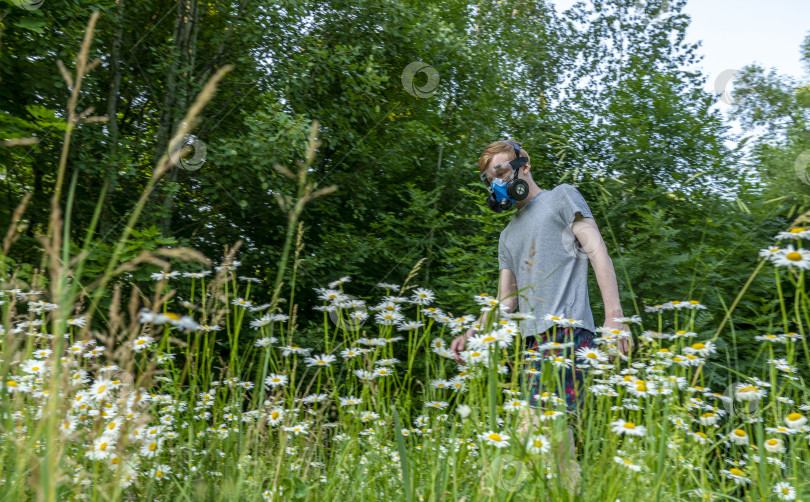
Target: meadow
(214, 396)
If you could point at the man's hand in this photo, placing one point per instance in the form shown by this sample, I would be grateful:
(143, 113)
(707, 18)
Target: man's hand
(625, 345)
(460, 343)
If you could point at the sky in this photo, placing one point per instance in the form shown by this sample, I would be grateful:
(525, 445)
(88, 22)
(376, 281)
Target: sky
(735, 33)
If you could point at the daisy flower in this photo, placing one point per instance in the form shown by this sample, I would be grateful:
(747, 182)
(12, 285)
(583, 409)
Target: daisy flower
(76, 321)
(436, 404)
(322, 360)
(349, 353)
(550, 415)
(790, 257)
(350, 401)
(274, 380)
(749, 392)
(496, 439)
(770, 338)
(141, 343)
(422, 296)
(294, 349)
(628, 428)
(793, 233)
(795, 420)
(275, 416)
(368, 416)
(340, 281)
(627, 463)
(538, 444)
(365, 375)
(561, 362)
(297, 429)
(709, 418)
(473, 356)
(735, 474)
(383, 372)
(784, 491)
(738, 437)
(100, 449)
(265, 342)
(774, 445)
(703, 349)
(514, 405)
(34, 367)
(388, 318)
(591, 356)
(159, 276)
(769, 253)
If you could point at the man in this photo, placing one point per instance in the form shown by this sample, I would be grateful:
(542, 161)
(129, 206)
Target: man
(542, 252)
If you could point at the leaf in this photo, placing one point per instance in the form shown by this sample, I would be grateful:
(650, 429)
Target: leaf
(32, 24)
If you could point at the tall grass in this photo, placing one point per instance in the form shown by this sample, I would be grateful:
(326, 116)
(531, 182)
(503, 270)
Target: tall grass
(210, 398)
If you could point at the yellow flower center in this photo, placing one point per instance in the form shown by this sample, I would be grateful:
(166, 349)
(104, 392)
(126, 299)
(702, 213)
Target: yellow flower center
(772, 442)
(698, 346)
(707, 415)
(172, 316)
(694, 302)
(739, 433)
(591, 355)
(320, 361)
(794, 416)
(140, 342)
(101, 388)
(735, 471)
(549, 413)
(749, 388)
(494, 437)
(152, 446)
(796, 230)
(794, 256)
(11, 383)
(641, 388)
(701, 434)
(102, 446)
(489, 339)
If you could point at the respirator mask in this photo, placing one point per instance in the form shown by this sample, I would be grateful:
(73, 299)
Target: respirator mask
(504, 193)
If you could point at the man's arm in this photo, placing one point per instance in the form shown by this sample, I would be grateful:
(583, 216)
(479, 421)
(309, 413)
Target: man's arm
(588, 235)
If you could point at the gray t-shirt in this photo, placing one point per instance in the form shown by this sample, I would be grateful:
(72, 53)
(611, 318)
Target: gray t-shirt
(540, 248)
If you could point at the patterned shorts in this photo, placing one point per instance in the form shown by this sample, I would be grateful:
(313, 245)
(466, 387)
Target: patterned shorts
(572, 378)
